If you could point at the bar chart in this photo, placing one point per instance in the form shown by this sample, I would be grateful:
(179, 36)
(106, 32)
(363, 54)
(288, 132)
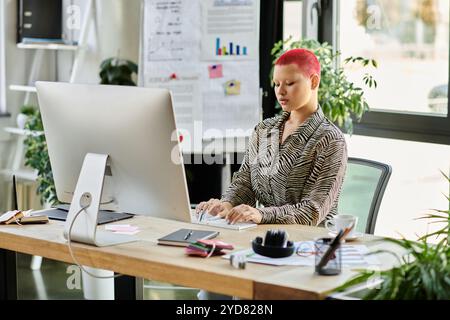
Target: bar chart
(231, 49)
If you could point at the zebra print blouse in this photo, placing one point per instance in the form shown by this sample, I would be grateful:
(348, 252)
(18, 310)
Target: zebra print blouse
(298, 181)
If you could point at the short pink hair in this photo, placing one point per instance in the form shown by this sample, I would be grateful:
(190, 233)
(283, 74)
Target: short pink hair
(306, 60)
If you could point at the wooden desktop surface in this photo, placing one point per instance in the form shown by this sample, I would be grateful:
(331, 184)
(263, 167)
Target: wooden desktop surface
(148, 260)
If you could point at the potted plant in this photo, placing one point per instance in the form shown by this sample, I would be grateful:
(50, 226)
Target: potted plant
(22, 116)
(422, 273)
(118, 71)
(341, 100)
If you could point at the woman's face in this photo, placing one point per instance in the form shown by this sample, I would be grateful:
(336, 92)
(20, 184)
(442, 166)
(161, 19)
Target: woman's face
(292, 88)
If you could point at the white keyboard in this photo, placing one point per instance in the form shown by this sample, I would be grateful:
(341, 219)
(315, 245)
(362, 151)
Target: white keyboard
(215, 221)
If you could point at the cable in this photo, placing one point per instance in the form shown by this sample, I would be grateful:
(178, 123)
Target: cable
(73, 256)
(108, 202)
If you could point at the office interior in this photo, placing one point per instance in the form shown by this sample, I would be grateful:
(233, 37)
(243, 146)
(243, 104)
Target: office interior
(407, 126)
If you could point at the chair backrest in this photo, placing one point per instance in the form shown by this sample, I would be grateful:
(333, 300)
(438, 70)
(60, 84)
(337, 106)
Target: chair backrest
(364, 185)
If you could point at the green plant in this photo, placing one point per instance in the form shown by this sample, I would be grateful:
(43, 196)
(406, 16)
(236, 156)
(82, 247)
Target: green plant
(118, 71)
(339, 98)
(28, 110)
(423, 272)
(36, 157)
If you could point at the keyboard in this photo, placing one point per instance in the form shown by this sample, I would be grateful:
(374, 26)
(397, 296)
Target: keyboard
(214, 221)
(61, 211)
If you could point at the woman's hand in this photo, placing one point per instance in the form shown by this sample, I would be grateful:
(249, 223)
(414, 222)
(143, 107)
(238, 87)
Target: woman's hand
(214, 207)
(244, 213)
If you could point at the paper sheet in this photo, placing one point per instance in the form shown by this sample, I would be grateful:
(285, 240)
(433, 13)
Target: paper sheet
(186, 99)
(215, 71)
(205, 102)
(168, 28)
(230, 30)
(122, 229)
(232, 115)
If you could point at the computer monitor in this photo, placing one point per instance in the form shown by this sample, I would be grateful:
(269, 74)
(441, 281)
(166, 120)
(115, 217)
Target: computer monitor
(133, 130)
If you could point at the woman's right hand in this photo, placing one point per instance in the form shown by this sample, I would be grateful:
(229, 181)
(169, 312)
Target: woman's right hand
(214, 207)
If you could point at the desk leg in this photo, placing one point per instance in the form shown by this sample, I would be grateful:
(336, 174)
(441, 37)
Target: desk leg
(128, 288)
(8, 275)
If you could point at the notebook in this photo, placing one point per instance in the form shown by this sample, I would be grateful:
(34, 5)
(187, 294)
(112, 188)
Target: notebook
(34, 219)
(183, 237)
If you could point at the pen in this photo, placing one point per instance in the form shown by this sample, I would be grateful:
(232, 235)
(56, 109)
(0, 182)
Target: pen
(188, 235)
(331, 249)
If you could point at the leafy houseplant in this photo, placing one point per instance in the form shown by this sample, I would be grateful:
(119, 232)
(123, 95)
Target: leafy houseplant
(25, 112)
(28, 110)
(36, 157)
(424, 273)
(340, 99)
(118, 71)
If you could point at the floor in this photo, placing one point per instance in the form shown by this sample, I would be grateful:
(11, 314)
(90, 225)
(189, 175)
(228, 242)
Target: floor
(55, 281)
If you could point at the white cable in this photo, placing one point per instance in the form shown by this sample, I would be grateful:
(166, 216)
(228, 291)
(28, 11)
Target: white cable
(107, 202)
(73, 256)
(212, 250)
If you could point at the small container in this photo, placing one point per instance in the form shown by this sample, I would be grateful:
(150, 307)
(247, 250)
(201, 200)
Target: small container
(334, 264)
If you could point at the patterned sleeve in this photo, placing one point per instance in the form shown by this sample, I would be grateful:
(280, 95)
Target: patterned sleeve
(240, 190)
(321, 189)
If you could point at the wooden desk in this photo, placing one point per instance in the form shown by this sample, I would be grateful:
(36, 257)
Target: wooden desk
(146, 259)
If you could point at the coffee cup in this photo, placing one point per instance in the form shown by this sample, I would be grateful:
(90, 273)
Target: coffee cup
(340, 222)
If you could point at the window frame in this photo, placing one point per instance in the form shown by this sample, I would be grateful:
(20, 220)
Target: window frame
(386, 123)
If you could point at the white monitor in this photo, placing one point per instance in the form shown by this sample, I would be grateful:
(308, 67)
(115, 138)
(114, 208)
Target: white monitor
(135, 128)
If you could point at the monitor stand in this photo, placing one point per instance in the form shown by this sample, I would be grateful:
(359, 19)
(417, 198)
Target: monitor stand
(88, 194)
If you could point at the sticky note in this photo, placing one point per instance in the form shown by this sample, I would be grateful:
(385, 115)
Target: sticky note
(121, 228)
(215, 71)
(233, 87)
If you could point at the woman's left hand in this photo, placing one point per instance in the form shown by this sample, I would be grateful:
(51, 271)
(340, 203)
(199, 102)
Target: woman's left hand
(244, 213)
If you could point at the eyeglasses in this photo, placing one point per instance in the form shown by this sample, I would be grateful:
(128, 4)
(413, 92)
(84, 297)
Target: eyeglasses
(306, 249)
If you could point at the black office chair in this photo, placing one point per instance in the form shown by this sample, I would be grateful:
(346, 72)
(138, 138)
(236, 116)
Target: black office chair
(363, 189)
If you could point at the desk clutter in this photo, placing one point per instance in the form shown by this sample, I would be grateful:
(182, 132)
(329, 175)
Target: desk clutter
(208, 247)
(22, 217)
(352, 255)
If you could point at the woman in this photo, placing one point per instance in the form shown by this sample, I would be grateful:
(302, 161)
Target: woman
(295, 162)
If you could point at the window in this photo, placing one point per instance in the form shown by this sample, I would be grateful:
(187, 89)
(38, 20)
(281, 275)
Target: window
(292, 22)
(409, 40)
(2, 60)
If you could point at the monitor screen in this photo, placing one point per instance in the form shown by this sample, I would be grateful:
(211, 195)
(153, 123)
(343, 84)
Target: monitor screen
(135, 127)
